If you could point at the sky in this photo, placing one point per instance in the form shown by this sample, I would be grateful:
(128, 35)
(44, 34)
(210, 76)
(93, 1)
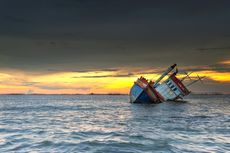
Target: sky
(103, 46)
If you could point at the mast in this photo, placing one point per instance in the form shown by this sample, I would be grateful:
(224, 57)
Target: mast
(164, 74)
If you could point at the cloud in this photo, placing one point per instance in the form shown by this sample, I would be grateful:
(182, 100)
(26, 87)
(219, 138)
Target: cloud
(29, 83)
(225, 62)
(212, 67)
(14, 19)
(76, 35)
(215, 49)
(62, 87)
(106, 76)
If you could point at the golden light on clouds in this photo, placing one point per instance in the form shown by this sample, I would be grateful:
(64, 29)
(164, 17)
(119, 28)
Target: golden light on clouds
(223, 77)
(227, 62)
(118, 81)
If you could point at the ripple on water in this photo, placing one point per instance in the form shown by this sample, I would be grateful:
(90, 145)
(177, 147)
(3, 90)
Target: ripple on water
(75, 123)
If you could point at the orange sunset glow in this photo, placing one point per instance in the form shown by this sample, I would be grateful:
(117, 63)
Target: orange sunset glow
(98, 82)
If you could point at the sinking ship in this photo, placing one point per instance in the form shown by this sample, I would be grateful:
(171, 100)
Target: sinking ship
(171, 89)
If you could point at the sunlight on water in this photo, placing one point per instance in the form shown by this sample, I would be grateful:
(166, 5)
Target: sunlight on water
(73, 123)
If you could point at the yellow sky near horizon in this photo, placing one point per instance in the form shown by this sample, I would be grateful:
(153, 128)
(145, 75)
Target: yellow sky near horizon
(88, 82)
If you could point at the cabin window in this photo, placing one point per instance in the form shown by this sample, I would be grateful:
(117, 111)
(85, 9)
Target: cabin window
(174, 89)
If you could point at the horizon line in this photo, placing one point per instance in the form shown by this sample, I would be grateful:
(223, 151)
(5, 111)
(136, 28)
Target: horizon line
(192, 93)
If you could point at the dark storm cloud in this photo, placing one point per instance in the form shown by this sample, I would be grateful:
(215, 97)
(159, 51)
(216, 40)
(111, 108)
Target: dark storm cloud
(77, 35)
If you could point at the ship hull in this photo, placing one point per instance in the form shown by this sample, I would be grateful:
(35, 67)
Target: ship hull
(139, 95)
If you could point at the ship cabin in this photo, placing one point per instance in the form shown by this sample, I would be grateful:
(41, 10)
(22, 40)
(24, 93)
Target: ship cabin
(172, 88)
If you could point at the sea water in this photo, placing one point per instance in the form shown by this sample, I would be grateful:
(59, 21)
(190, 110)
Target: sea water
(109, 123)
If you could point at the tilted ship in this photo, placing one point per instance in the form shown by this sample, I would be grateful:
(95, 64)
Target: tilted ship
(172, 88)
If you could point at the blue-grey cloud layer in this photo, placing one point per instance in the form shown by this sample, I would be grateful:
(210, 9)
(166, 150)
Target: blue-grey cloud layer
(81, 34)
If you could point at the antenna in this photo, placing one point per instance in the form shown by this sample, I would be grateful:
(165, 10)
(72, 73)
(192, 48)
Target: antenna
(198, 79)
(187, 76)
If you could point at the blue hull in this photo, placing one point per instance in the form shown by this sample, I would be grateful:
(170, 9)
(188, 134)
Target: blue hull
(138, 95)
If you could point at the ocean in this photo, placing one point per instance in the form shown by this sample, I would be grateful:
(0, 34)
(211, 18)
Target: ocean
(110, 124)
